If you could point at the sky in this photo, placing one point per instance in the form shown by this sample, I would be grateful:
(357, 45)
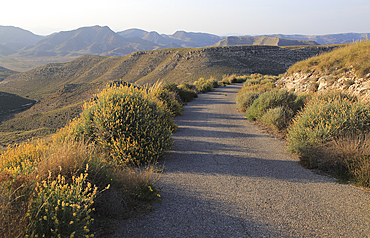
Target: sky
(231, 17)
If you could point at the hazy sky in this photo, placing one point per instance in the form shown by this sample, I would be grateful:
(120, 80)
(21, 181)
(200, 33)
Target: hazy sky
(219, 17)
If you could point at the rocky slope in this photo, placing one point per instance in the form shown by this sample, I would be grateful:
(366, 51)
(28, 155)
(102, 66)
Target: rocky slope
(345, 69)
(321, 82)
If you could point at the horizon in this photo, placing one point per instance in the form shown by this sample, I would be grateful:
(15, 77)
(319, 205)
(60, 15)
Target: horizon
(234, 17)
(225, 35)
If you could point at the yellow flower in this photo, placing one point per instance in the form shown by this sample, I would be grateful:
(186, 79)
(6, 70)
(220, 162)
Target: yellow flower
(45, 218)
(71, 222)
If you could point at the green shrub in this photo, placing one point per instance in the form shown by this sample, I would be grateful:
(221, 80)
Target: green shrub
(172, 87)
(278, 117)
(245, 100)
(270, 99)
(213, 82)
(187, 92)
(241, 79)
(324, 118)
(169, 99)
(203, 85)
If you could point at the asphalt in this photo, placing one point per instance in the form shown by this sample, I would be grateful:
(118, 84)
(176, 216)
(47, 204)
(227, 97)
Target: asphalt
(227, 178)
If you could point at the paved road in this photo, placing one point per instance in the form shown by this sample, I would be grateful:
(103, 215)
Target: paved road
(226, 178)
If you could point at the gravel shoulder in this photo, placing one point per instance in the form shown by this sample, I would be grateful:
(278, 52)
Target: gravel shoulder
(227, 178)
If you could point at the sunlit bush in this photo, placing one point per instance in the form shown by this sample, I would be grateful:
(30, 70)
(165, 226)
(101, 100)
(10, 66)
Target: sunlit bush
(129, 124)
(325, 118)
(203, 85)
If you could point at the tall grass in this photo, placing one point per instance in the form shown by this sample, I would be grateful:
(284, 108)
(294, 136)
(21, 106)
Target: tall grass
(353, 56)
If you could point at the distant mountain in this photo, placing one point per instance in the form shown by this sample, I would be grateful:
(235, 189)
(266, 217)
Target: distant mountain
(328, 39)
(180, 38)
(87, 40)
(133, 33)
(262, 40)
(196, 39)
(15, 38)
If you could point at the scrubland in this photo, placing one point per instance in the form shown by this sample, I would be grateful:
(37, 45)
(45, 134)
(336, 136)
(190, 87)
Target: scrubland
(56, 186)
(329, 131)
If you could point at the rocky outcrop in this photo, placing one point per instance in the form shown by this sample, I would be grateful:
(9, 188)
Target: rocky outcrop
(319, 82)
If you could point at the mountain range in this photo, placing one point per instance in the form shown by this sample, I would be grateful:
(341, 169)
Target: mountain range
(103, 41)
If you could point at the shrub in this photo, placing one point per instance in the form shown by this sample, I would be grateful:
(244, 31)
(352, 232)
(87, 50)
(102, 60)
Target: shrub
(358, 170)
(60, 209)
(245, 100)
(22, 159)
(270, 99)
(169, 100)
(203, 85)
(324, 118)
(187, 92)
(23, 167)
(129, 124)
(213, 82)
(278, 117)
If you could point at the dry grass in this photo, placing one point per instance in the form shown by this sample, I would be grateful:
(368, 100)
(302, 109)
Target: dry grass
(345, 157)
(356, 56)
(337, 151)
(13, 209)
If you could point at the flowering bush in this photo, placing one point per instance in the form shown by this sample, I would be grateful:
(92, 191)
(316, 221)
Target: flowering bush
(61, 209)
(129, 124)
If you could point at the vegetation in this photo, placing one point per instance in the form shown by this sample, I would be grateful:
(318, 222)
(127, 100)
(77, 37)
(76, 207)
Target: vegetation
(352, 56)
(328, 131)
(51, 187)
(56, 186)
(260, 100)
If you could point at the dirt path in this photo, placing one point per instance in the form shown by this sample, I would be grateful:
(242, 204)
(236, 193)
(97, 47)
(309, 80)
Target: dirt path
(226, 178)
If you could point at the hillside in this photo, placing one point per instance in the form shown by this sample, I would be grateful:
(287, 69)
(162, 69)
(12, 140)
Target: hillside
(61, 88)
(262, 40)
(345, 69)
(4, 73)
(171, 65)
(11, 103)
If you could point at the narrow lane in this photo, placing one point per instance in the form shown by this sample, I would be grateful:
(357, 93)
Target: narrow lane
(226, 178)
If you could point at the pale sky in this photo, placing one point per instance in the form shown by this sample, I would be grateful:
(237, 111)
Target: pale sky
(244, 17)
